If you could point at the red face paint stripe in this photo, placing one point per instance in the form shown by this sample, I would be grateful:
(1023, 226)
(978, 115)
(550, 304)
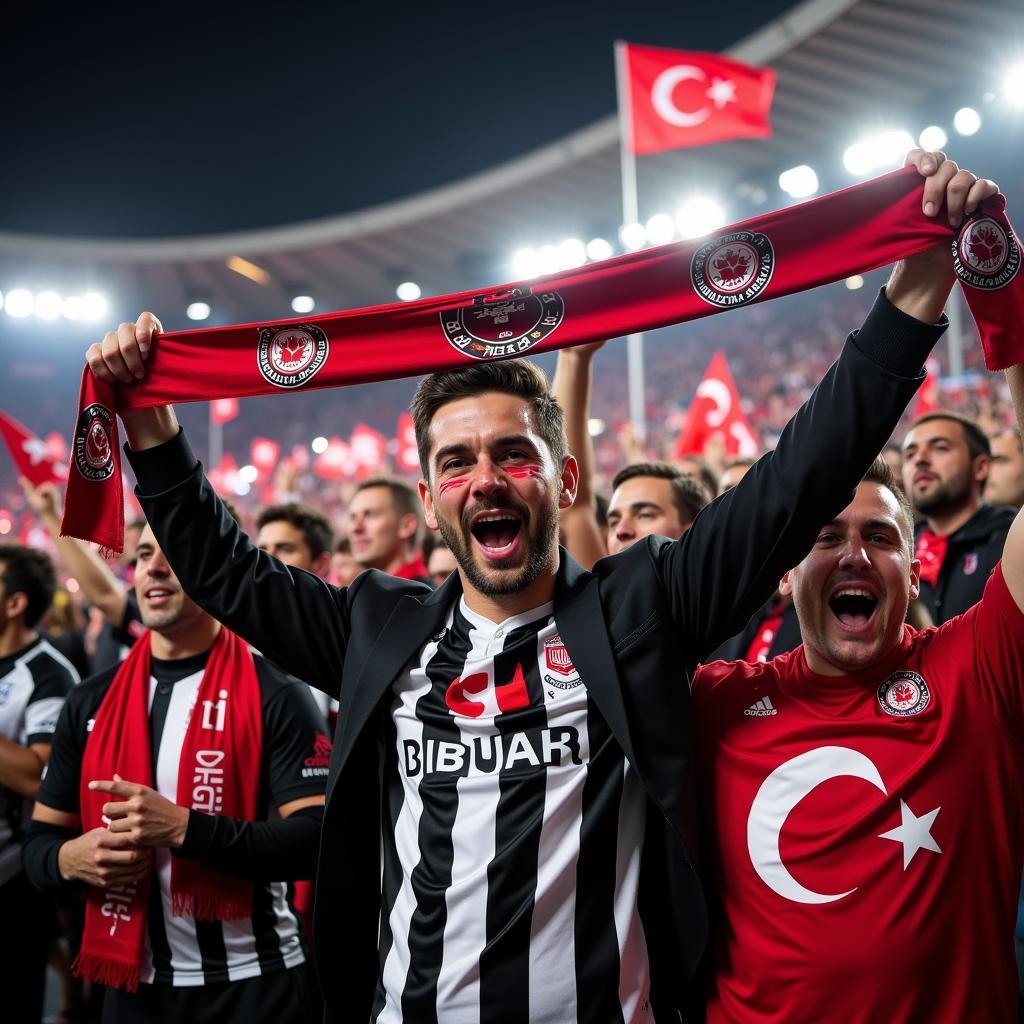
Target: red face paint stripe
(447, 485)
(522, 472)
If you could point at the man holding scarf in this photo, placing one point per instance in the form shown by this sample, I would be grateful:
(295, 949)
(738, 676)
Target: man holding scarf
(166, 772)
(511, 828)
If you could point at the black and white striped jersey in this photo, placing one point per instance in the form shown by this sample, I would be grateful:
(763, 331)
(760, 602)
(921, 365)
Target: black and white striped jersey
(33, 685)
(181, 951)
(511, 834)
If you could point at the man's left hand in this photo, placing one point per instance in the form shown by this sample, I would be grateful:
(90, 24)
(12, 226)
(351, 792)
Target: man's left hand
(147, 817)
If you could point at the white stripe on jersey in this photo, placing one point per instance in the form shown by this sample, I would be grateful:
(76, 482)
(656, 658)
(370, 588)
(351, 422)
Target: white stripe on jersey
(634, 968)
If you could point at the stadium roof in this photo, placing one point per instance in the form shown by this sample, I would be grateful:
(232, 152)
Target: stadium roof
(844, 66)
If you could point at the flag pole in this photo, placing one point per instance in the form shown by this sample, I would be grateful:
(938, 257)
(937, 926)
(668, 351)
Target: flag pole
(630, 215)
(215, 443)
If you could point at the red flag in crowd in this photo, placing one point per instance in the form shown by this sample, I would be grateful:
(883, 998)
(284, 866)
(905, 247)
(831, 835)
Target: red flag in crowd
(263, 454)
(716, 409)
(223, 410)
(407, 459)
(335, 462)
(928, 399)
(676, 98)
(32, 455)
(224, 475)
(369, 447)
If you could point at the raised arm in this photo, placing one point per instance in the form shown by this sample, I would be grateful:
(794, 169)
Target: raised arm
(583, 537)
(732, 557)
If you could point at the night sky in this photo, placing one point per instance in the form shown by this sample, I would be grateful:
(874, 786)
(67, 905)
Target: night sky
(140, 120)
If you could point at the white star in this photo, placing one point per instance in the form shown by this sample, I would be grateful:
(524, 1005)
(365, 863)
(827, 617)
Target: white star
(914, 833)
(722, 91)
(36, 450)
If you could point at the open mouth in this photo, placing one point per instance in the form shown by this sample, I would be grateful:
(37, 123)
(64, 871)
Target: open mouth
(157, 596)
(497, 534)
(854, 607)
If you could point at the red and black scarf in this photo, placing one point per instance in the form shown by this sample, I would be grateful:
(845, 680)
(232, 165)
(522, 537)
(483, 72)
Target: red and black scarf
(831, 238)
(217, 774)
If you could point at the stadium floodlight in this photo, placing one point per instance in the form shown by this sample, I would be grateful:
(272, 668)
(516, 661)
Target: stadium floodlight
(549, 259)
(408, 291)
(661, 229)
(599, 249)
(799, 182)
(242, 487)
(1, 300)
(855, 282)
(877, 152)
(525, 263)
(967, 120)
(595, 426)
(1013, 85)
(319, 445)
(71, 307)
(20, 302)
(857, 159)
(633, 236)
(250, 474)
(573, 253)
(94, 306)
(698, 216)
(198, 311)
(932, 137)
(47, 305)
(303, 304)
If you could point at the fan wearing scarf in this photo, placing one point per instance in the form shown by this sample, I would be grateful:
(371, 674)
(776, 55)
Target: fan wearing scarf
(165, 771)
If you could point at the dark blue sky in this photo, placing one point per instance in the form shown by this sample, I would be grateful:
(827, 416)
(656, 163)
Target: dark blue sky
(149, 119)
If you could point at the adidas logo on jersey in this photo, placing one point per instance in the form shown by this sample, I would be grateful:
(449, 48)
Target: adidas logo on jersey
(762, 708)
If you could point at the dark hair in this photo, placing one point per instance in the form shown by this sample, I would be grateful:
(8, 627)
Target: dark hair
(974, 436)
(601, 510)
(29, 572)
(740, 460)
(1013, 432)
(881, 473)
(508, 377)
(404, 499)
(689, 495)
(704, 473)
(343, 547)
(315, 529)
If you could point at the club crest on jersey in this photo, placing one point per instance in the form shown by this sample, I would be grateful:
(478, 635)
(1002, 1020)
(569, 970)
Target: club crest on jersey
(94, 454)
(559, 669)
(970, 563)
(904, 693)
(985, 254)
(504, 324)
(320, 762)
(289, 357)
(732, 269)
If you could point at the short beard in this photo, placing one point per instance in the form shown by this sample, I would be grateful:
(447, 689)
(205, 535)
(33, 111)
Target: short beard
(537, 557)
(946, 497)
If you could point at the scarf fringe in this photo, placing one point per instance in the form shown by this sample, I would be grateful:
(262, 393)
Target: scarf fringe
(104, 971)
(203, 907)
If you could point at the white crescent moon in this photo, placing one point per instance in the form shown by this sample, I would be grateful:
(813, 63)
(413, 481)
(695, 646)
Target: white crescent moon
(661, 96)
(779, 794)
(717, 392)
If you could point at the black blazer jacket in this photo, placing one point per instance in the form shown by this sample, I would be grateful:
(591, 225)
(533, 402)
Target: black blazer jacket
(635, 627)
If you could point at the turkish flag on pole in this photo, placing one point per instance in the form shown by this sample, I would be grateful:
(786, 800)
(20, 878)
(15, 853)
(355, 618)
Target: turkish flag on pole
(675, 98)
(32, 456)
(223, 410)
(928, 399)
(368, 448)
(263, 454)
(716, 410)
(407, 456)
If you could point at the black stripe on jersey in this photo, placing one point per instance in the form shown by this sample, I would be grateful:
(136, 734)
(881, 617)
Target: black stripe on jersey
(157, 932)
(597, 947)
(512, 874)
(437, 819)
(212, 952)
(268, 944)
(392, 798)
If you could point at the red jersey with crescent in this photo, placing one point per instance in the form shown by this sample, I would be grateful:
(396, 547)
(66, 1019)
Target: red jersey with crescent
(869, 829)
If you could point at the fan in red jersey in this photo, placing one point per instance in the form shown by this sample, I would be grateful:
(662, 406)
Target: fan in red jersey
(864, 790)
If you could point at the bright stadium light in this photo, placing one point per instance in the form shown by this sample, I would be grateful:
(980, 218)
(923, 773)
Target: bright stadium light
(595, 426)
(857, 159)
(303, 304)
(408, 291)
(572, 253)
(250, 474)
(699, 216)
(661, 229)
(20, 302)
(71, 307)
(1013, 85)
(633, 236)
(242, 488)
(549, 259)
(599, 249)
(799, 182)
(967, 120)
(47, 305)
(932, 137)
(94, 306)
(525, 263)
(198, 310)
(877, 152)
(319, 445)
(855, 282)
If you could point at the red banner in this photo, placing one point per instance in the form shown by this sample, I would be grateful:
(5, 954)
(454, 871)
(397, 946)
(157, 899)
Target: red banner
(407, 457)
(33, 457)
(676, 98)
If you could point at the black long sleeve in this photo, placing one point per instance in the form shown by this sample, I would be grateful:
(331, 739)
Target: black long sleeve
(280, 850)
(39, 852)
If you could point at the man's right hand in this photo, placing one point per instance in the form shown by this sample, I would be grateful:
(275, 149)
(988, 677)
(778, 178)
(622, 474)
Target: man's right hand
(120, 358)
(103, 858)
(44, 499)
